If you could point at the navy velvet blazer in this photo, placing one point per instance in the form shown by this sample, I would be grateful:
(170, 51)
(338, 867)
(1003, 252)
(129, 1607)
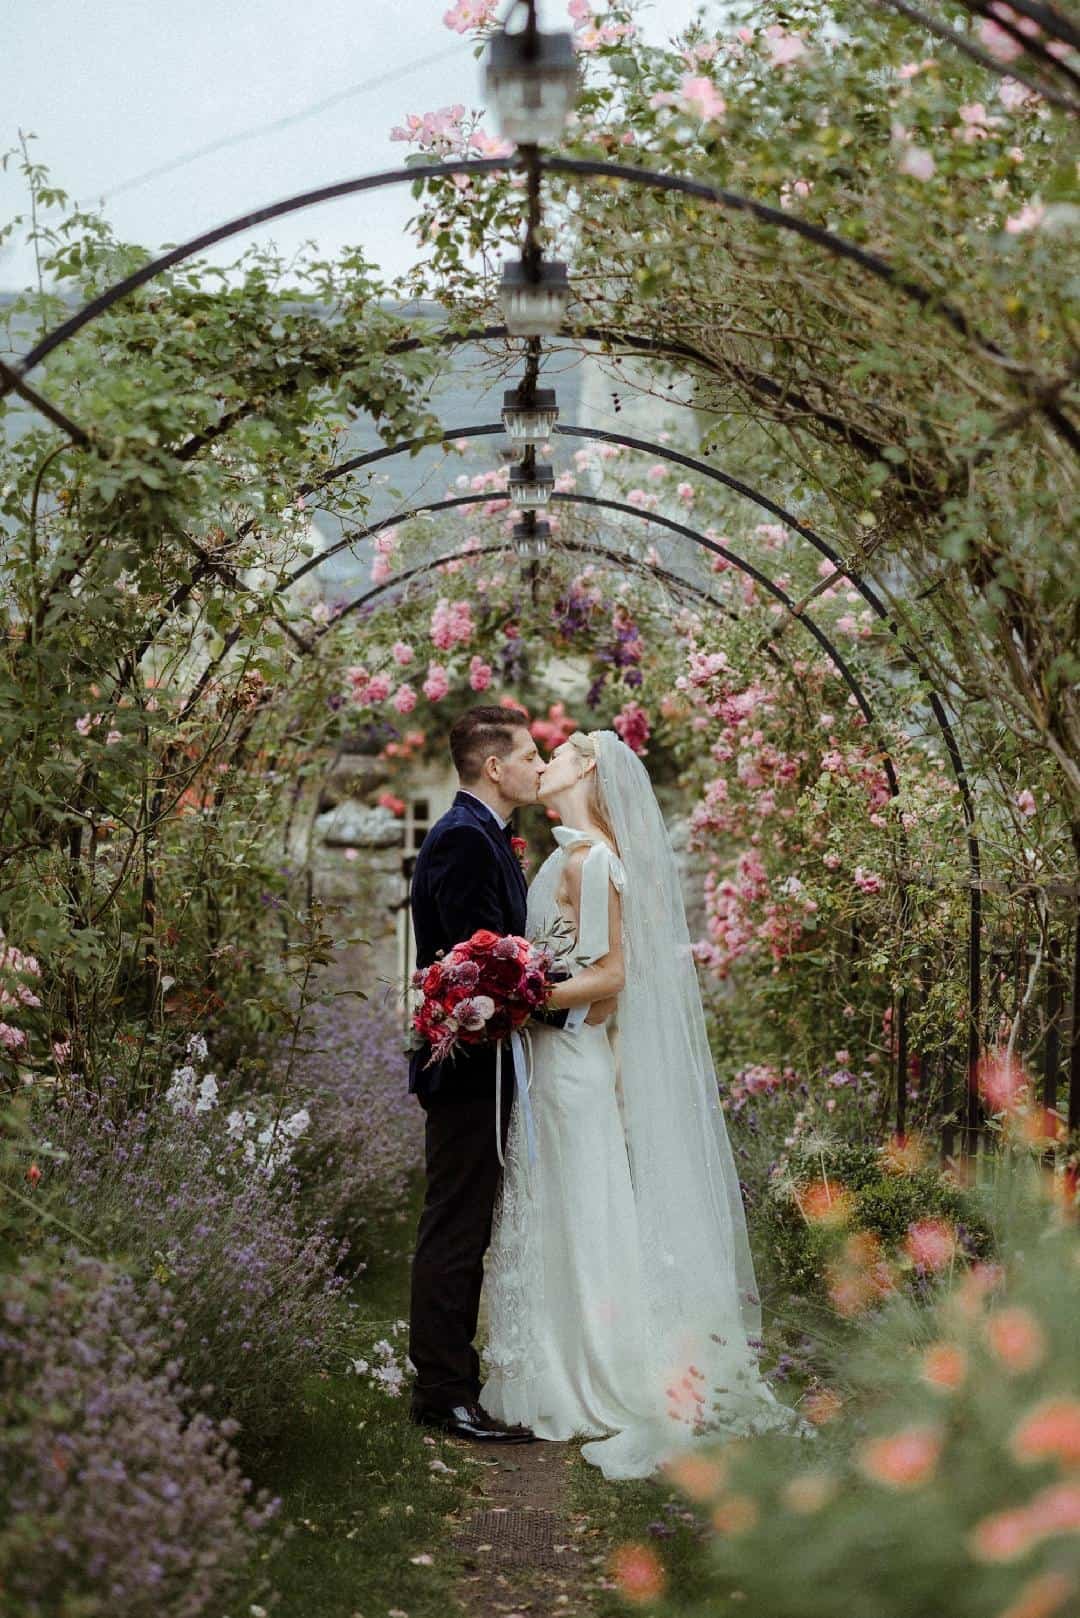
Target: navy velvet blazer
(466, 876)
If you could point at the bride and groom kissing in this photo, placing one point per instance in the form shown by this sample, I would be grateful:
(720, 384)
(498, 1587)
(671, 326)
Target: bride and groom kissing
(620, 1290)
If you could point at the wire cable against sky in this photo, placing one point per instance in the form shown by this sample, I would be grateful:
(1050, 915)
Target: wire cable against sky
(311, 111)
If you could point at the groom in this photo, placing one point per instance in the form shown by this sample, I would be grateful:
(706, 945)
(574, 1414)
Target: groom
(467, 876)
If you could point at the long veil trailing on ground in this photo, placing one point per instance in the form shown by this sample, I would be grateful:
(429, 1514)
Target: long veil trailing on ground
(698, 1272)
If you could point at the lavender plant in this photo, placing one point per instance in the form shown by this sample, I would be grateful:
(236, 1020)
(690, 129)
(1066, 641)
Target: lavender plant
(365, 1139)
(171, 1193)
(115, 1497)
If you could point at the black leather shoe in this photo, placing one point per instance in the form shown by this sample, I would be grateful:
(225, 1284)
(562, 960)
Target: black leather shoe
(470, 1421)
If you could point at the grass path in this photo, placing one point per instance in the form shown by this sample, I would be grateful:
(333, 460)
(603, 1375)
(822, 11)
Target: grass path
(526, 1531)
(358, 1488)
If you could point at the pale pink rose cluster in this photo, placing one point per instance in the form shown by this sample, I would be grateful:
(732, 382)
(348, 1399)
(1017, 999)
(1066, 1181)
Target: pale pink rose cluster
(450, 132)
(641, 500)
(451, 624)
(385, 545)
(1015, 96)
(14, 964)
(1030, 217)
(480, 674)
(494, 481)
(975, 123)
(612, 33)
(759, 1079)
(467, 14)
(590, 33)
(437, 683)
(12, 1039)
(697, 96)
(783, 45)
(917, 163)
(792, 189)
(731, 904)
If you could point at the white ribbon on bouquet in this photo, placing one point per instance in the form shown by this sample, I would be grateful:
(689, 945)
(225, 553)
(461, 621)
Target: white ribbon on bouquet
(521, 1055)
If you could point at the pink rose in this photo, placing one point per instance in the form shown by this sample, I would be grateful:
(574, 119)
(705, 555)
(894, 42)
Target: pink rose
(700, 97)
(405, 699)
(479, 674)
(437, 683)
(917, 162)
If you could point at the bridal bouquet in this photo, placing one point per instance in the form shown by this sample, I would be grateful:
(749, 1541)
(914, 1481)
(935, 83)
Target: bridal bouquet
(480, 991)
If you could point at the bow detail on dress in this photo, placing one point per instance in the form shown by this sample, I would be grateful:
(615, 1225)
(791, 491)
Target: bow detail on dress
(601, 865)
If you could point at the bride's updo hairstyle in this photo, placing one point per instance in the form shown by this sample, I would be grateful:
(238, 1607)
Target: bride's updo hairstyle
(585, 746)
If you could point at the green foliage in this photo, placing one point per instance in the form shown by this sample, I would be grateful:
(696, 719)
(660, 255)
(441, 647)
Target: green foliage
(885, 1198)
(943, 1484)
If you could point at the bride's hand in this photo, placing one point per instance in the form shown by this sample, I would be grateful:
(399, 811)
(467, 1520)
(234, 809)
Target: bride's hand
(601, 1010)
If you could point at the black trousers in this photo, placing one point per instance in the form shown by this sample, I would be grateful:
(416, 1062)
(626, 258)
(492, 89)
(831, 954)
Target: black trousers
(455, 1228)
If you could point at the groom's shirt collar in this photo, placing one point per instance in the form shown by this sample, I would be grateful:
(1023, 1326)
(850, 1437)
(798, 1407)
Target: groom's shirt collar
(500, 822)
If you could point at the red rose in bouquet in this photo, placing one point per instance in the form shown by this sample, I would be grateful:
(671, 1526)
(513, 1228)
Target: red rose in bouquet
(480, 991)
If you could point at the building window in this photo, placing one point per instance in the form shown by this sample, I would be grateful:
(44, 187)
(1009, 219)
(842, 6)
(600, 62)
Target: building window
(417, 822)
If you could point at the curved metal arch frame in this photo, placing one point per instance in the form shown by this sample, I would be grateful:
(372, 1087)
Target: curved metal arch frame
(974, 996)
(13, 377)
(703, 541)
(746, 491)
(539, 163)
(457, 502)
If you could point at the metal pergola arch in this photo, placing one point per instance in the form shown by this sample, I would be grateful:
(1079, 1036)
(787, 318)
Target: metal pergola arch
(534, 165)
(682, 529)
(13, 378)
(746, 491)
(686, 532)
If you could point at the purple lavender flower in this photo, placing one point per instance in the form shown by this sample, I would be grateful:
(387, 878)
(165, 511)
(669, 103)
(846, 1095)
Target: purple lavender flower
(116, 1497)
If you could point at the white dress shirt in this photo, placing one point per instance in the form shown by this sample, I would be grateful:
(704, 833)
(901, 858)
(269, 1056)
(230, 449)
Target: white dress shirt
(493, 812)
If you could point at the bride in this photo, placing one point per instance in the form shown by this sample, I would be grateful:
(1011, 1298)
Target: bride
(620, 1287)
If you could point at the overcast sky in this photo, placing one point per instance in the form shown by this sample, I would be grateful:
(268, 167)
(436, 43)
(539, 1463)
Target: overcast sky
(115, 89)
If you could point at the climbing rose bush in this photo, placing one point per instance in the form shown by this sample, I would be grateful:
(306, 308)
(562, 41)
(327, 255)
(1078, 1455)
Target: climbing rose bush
(116, 1497)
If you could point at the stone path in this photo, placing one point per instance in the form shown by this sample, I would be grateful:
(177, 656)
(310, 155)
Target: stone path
(523, 1551)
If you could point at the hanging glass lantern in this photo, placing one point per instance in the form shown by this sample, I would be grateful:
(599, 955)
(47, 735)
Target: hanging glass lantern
(531, 540)
(533, 422)
(531, 486)
(534, 304)
(532, 83)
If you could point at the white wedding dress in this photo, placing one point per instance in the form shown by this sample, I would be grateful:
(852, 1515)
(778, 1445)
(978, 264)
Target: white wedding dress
(599, 1325)
(566, 1305)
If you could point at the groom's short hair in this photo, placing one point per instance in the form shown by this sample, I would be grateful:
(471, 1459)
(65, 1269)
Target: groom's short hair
(479, 732)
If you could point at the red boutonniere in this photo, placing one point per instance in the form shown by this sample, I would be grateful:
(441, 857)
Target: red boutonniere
(521, 850)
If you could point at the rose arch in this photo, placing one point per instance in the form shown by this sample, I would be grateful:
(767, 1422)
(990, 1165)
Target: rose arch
(1030, 393)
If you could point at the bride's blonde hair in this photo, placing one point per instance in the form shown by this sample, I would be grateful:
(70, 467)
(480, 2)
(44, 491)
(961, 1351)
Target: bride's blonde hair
(585, 746)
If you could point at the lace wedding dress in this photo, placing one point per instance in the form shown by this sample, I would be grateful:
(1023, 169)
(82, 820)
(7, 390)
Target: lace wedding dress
(617, 1256)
